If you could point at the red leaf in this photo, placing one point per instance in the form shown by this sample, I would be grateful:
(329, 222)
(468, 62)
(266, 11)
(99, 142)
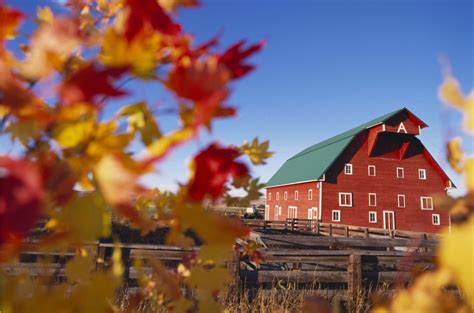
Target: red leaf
(234, 57)
(20, 198)
(89, 82)
(9, 21)
(214, 165)
(148, 12)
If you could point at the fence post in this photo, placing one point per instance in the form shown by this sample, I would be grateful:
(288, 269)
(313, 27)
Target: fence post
(292, 224)
(234, 269)
(317, 227)
(366, 232)
(347, 231)
(100, 261)
(354, 280)
(265, 224)
(330, 230)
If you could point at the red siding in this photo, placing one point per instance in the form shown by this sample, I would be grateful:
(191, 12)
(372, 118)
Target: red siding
(302, 204)
(386, 185)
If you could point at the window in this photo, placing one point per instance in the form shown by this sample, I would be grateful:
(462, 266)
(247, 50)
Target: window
(372, 199)
(345, 199)
(296, 195)
(310, 194)
(285, 196)
(276, 213)
(426, 203)
(371, 170)
(269, 196)
(401, 201)
(292, 212)
(435, 219)
(372, 217)
(279, 210)
(400, 172)
(422, 174)
(278, 196)
(336, 215)
(348, 169)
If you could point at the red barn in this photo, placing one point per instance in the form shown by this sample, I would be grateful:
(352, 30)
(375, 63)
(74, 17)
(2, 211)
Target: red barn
(378, 174)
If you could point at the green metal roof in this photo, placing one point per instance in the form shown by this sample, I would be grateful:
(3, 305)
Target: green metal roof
(311, 163)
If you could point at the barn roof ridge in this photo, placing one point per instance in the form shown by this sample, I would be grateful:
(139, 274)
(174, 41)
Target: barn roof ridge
(319, 157)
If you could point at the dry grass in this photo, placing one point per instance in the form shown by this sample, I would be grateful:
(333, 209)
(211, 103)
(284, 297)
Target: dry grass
(271, 300)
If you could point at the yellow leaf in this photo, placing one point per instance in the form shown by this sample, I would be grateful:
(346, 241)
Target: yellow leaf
(23, 131)
(142, 120)
(450, 93)
(455, 154)
(469, 174)
(159, 148)
(257, 152)
(141, 54)
(456, 253)
(44, 15)
(50, 47)
(117, 266)
(172, 5)
(86, 209)
(79, 268)
(69, 135)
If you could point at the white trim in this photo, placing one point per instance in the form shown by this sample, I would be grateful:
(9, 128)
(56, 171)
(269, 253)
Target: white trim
(294, 183)
(404, 201)
(267, 212)
(374, 125)
(419, 130)
(310, 194)
(383, 127)
(279, 210)
(402, 127)
(350, 167)
(296, 195)
(338, 215)
(285, 195)
(433, 221)
(422, 170)
(320, 199)
(393, 219)
(276, 213)
(368, 170)
(323, 178)
(375, 215)
(403, 172)
(340, 198)
(373, 193)
(427, 208)
(269, 196)
(277, 197)
(290, 209)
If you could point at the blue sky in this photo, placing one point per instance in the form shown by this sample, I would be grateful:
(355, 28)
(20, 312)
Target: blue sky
(328, 66)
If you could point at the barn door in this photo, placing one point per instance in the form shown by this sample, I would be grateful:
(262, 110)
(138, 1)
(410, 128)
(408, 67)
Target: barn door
(275, 216)
(389, 220)
(313, 214)
(267, 212)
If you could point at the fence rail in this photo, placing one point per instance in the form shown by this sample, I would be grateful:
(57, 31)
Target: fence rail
(332, 230)
(343, 265)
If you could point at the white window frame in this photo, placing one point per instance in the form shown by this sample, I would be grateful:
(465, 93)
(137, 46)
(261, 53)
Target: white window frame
(292, 209)
(403, 172)
(348, 169)
(277, 196)
(338, 212)
(375, 195)
(285, 195)
(404, 201)
(296, 195)
(267, 212)
(374, 213)
(269, 196)
(433, 216)
(427, 208)
(275, 214)
(310, 194)
(368, 170)
(341, 194)
(420, 175)
(279, 210)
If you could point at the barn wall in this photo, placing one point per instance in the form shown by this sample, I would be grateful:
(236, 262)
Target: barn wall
(302, 204)
(386, 186)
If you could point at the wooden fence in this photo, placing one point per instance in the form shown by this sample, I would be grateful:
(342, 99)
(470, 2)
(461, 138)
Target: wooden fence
(334, 265)
(328, 229)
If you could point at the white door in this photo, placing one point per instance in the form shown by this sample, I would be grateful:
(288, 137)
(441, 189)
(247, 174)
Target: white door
(275, 216)
(313, 214)
(389, 220)
(267, 212)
